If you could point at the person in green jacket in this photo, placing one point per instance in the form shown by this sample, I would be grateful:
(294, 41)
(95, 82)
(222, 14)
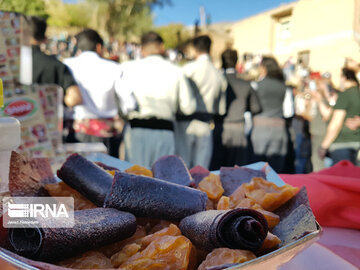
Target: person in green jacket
(340, 141)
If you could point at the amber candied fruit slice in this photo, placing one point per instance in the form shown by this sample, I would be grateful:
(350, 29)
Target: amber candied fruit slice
(147, 264)
(223, 203)
(237, 196)
(211, 185)
(172, 230)
(271, 218)
(267, 194)
(271, 241)
(61, 189)
(139, 170)
(221, 256)
(111, 249)
(167, 252)
(129, 250)
(88, 260)
(112, 172)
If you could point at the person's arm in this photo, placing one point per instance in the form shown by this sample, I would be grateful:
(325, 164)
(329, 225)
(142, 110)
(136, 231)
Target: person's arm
(324, 109)
(253, 102)
(334, 128)
(73, 96)
(125, 95)
(186, 97)
(222, 101)
(353, 123)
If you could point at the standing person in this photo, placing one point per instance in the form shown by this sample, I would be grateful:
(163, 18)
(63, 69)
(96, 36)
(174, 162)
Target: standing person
(269, 136)
(240, 97)
(161, 90)
(323, 96)
(194, 134)
(47, 69)
(96, 120)
(342, 142)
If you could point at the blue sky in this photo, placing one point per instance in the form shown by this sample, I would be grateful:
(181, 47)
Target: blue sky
(187, 11)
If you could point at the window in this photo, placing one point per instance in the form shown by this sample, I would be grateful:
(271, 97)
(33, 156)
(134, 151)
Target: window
(285, 27)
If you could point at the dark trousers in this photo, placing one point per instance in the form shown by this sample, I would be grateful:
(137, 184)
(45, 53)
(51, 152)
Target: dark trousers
(344, 154)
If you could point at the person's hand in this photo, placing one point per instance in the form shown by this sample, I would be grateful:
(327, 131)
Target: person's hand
(353, 123)
(322, 152)
(316, 96)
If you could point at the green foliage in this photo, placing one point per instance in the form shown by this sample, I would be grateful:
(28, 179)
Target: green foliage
(65, 15)
(125, 18)
(173, 34)
(28, 7)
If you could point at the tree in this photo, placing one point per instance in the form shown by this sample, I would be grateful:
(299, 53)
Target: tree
(125, 18)
(27, 7)
(67, 15)
(173, 35)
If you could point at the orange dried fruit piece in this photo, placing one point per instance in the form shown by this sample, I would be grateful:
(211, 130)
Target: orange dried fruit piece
(63, 190)
(88, 260)
(112, 172)
(237, 196)
(267, 194)
(162, 224)
(129, 250)
(172, 230)
(167, 252)
(111, 249)
(221, 256)
(139, 170)
(270, 242)
(148, 264)
(246, 203)
(223, 203)
(193, 262)
(271, 218)
(211, 185)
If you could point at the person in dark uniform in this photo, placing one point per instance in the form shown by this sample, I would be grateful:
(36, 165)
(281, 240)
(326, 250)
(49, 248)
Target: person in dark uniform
(240, 97)
(47, 69)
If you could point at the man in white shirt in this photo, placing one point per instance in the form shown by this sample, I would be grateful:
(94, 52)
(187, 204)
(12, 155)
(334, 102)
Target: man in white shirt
(96, 119)
(161, 90)
(194, 134)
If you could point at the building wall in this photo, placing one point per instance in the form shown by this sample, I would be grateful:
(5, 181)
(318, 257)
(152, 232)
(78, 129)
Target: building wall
(328, 29)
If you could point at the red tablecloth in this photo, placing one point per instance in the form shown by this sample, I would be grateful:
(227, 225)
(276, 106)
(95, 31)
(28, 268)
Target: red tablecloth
(334, 194)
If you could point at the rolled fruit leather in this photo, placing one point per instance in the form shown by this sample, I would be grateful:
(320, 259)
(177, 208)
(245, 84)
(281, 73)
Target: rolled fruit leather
(93, 228)
(240, 228)
(150, 197)
(10, 140)
(86, 177)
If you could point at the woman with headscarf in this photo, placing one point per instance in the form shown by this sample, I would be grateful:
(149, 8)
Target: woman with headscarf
(269, 136)
(340, 141)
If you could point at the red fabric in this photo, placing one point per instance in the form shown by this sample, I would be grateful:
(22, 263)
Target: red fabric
(334, 194)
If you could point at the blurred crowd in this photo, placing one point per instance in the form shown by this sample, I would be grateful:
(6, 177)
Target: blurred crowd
(64, 47)
(252, 109)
